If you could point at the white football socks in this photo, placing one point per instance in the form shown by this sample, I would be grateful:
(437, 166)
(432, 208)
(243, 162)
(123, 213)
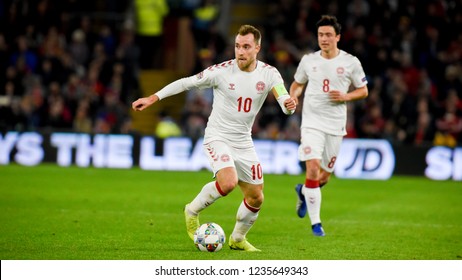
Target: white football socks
(245, 218)
(208, 195)
(313, 202)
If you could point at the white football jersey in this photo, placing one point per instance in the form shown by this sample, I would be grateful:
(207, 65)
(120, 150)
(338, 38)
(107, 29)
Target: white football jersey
(237, 98)
(322, 76)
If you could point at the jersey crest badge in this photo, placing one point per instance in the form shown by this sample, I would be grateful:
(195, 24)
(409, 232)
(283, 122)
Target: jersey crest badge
(260, 86)
(225, 158)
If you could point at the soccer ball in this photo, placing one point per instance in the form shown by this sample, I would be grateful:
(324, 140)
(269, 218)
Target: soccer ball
(209, 237)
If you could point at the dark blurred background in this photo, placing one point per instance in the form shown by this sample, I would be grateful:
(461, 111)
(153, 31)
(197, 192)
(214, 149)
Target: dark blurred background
(69, 65)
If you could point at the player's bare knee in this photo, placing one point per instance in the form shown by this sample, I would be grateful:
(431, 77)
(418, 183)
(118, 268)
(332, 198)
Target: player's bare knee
(227, 186)
(255, 200)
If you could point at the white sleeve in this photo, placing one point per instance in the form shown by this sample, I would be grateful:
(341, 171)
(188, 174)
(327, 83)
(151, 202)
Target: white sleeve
(175, 87)
(201, 80)
(359, 77)
(300, 74)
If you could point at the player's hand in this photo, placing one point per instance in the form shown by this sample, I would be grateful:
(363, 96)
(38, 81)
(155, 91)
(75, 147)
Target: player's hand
(337, 96)
(140, 104)
(143, 103)
(295, 99)
(290, 104)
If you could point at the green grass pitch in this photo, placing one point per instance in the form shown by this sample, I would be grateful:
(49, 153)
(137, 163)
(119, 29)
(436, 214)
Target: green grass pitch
(49, 212)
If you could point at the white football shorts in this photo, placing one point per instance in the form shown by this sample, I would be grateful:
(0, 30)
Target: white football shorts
(316, 144)
(245, 160)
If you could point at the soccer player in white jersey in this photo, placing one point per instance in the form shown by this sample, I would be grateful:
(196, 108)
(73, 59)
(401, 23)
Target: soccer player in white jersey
(240, 87)
(328, 73)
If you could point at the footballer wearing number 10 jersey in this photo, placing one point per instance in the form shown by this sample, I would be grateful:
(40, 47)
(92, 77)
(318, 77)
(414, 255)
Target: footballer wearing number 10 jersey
(240, 87)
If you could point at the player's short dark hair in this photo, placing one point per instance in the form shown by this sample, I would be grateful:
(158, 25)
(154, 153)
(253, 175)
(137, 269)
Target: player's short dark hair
(249, 29)
(328, 20)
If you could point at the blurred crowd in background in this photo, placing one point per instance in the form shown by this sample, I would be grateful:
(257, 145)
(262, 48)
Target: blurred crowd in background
(74, 65)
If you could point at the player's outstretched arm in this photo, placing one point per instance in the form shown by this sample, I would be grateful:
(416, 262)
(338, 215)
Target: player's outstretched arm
(142, 103)
(173, 88)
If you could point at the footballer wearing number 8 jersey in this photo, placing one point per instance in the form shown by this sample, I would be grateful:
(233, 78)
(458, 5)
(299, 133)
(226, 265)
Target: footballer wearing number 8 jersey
(328, 75)
(240, 87)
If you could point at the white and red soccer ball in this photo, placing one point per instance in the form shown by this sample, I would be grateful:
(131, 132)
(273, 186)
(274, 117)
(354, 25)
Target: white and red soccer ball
(209, 237)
